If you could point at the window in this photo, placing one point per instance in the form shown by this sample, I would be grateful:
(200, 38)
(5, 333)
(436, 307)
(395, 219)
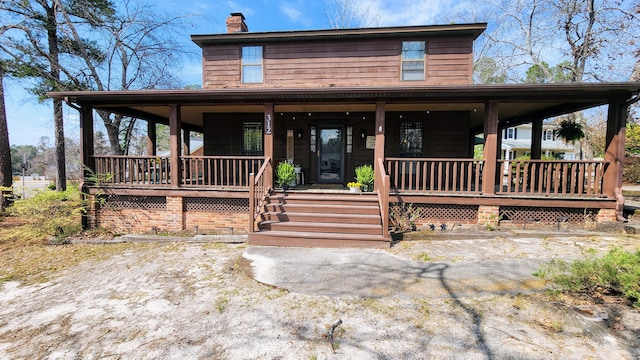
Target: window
(252, 139)
(411, 139)
(547, 135)
(251, 64)
(510, 133)
(413, 60)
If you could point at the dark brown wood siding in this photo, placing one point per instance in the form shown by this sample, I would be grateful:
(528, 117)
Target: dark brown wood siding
(445, 134)
(223, 132)
(340, 63)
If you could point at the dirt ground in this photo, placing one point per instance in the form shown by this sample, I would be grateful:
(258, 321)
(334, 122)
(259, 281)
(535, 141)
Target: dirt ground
(186, 300)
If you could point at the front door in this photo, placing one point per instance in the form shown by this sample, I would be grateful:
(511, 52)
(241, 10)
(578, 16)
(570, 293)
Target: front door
(331, 155)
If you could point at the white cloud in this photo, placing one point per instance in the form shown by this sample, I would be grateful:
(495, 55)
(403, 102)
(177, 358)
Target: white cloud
(412, 12)
(291, 10)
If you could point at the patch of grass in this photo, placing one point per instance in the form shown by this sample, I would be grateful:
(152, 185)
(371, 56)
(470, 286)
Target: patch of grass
(31, 224)
(617, 273)
(423, 257)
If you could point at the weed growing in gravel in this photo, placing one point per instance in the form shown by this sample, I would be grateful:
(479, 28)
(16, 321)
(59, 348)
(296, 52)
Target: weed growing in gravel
(423, 257)
(617, 273)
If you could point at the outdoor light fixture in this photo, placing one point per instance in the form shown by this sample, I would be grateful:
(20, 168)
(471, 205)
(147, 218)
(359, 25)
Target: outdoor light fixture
(299, 134)
(363, 134)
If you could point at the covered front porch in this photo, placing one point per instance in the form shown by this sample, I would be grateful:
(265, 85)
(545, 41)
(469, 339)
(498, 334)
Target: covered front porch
(329, 131)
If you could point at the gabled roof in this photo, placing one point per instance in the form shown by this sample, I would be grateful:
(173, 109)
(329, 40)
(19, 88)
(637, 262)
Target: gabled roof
(472, 30)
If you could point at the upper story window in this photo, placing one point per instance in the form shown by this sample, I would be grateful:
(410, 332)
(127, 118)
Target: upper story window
(251, 64)
(547, 135)
(411, 139)
(413, 60)
(510, 133)
(252, 138)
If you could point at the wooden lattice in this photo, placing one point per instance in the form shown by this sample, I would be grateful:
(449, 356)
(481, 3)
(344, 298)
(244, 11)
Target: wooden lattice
(440, 212)
(135, 202)
(216, 205)
(546, 215)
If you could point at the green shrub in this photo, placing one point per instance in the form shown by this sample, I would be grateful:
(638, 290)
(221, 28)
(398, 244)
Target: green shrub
(49, 213)
(286, 173)
(617, 273)
(365, 175)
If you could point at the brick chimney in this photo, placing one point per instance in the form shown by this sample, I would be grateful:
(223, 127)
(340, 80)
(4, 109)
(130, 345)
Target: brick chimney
(235, 23)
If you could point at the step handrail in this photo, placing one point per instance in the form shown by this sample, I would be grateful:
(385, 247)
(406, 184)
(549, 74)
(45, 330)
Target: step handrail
(383, 188)
(259, 189)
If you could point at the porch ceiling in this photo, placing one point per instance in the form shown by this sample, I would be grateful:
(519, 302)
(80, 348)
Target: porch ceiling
(517, 103)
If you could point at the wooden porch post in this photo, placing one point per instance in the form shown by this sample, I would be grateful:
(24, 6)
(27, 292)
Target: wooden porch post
(186, 142)
(269, 126)
(614, 152)
(86, 141)
(378, 152)
(490, 147)
(174, 144)
(536, 139)
(151, 138)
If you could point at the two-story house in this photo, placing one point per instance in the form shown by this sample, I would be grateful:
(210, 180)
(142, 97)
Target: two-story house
(516, 142)
(398, 98)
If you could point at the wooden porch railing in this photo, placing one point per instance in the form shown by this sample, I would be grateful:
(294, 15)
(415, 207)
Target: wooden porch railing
(258, 191)
(132, 170)
(435, 175)
(382, 185)
(220, 171)
(555, 177)
(196, 171)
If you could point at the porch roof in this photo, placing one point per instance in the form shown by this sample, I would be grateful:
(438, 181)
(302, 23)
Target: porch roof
(518, 103)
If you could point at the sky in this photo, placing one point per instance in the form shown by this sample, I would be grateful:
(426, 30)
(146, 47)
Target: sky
(29, 120)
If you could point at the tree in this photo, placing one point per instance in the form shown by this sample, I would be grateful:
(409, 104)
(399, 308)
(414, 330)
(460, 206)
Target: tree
(141, 53)
(343, 14)
(6, 178)
(43, 43)
(592, 40)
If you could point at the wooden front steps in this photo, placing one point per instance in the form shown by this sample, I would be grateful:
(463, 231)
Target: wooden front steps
(321, 220)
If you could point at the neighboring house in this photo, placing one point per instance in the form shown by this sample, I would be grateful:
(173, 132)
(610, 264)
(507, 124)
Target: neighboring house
(516, 142)
(399, 98)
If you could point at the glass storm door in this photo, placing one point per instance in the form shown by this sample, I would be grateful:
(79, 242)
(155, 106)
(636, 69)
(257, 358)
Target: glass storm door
(330, 156)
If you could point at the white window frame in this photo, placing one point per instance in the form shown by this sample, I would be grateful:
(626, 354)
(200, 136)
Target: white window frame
(511, 133)
(547, 135)
(407, 57)
(251, 62)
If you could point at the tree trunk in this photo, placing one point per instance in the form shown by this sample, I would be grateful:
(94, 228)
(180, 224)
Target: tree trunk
(6, 179)
(58, 121)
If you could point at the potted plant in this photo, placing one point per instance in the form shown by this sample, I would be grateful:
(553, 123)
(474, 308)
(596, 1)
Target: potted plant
(569, 131)
(365, 176)
(286, 174)
(354, 186)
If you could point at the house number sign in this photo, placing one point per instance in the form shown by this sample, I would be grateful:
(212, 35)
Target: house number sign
(267, 129)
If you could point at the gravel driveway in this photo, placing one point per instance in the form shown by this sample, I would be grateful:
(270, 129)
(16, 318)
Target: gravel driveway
(185, 300)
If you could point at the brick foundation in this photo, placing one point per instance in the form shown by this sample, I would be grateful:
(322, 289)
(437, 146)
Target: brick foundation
(606, 215)
(172, 217)
(489, 215)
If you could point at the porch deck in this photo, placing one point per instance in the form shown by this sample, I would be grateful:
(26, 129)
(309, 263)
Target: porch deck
(220, 191)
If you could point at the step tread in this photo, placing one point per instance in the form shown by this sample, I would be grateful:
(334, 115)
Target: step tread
(326, 215)
(317, 235)
(321, 224)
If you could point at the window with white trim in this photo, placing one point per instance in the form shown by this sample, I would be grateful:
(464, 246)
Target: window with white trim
(547, 135)
(251, 64)
(413, 53)
(510, 133)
